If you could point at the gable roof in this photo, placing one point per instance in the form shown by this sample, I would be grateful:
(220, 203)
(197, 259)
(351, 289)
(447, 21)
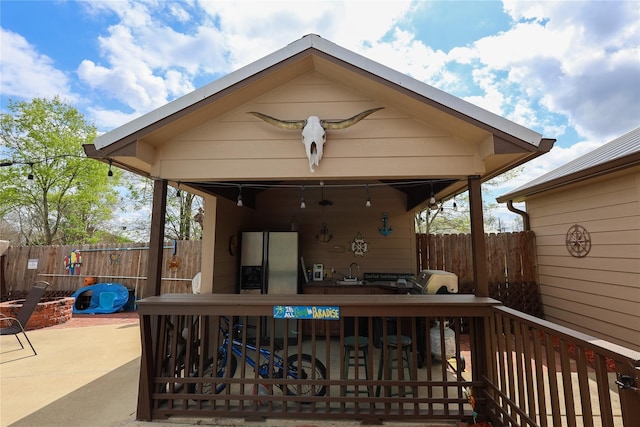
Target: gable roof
(436, 97)
(623, 152)
(131, 146)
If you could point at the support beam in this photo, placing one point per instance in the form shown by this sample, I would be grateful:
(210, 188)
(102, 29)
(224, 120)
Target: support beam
(156, 241)
(480, 346)
(478, 247)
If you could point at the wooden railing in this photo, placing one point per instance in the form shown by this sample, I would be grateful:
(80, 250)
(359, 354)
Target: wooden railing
(465, 357)
(544, 374)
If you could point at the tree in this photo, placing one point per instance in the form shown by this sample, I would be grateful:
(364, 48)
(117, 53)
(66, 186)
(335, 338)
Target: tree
(65, 198)
(184, 210)
(453, 216)
(182, 223)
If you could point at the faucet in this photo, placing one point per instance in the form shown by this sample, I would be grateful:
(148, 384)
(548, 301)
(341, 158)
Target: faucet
(352, 264)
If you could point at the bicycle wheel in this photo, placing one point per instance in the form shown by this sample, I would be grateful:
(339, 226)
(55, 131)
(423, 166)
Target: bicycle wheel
(303, 369)
(220, 373)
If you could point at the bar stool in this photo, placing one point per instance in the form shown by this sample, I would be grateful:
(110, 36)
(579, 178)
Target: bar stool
(403, 356)
(351, 348)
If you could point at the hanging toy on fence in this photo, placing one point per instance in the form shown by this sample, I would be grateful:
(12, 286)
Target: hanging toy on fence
(175, 261)
(73, 262)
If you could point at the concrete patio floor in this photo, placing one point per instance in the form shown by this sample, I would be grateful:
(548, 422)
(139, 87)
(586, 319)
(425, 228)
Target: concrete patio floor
(86, 374)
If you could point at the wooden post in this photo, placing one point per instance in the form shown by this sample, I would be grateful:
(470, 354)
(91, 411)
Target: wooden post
(628, 378)
(145, 384)
(481, 345)
(478, 248)
(156, 241)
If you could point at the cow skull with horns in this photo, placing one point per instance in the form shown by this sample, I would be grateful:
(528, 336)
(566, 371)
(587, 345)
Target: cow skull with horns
(314, 130)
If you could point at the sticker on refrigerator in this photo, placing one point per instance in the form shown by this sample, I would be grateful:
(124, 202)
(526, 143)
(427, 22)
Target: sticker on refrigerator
(306, 312)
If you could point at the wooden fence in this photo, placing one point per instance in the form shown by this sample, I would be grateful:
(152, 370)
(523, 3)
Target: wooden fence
(106, 263)
(511, 262)
(511, 266)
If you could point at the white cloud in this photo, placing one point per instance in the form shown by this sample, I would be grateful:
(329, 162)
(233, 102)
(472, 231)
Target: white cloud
(108, 119)
(28, 74)
(558, 156)
(266, 26)
(577, 59)
(146, 62)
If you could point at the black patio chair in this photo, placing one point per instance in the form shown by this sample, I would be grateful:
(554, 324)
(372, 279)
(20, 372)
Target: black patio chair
(15, 325)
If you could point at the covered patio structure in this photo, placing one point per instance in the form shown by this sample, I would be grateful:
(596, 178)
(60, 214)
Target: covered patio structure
(393, 146)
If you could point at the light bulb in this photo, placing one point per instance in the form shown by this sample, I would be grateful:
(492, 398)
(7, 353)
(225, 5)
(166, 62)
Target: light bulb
(368, 202)
(240, 204)
(30, 176)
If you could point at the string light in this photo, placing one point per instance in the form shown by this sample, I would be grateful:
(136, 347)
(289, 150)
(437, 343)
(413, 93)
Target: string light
(455, 205)
(30, 176)
(239, 203)
(110, 173)
(178, 192)
(433, 204)
(368, 202)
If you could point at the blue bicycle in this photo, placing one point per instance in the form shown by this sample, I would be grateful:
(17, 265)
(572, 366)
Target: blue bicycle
(302, 366)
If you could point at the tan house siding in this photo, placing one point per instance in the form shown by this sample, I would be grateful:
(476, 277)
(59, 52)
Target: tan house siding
(237, 145)
(345, 219)
(229, 220)
(600, 293)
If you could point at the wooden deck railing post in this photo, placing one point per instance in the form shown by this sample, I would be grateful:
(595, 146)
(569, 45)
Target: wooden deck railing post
(145, 386)
(629, 391)
(481, 350)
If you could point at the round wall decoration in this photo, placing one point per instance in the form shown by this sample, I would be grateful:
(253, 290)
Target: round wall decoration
(578, 241)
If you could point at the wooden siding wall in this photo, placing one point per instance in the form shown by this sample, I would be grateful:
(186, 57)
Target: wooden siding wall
(388, 144)
(598, 294)
(346, 218)
(108, 263)
(511, 265)
(230, 220)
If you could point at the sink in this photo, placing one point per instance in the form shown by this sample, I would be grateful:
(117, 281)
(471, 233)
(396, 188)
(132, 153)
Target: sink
(349, 282)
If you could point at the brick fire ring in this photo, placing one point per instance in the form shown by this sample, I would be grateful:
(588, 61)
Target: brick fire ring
(49, 311)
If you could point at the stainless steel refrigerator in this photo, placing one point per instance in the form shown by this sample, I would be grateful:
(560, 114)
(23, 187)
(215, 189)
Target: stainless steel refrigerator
(269, 265)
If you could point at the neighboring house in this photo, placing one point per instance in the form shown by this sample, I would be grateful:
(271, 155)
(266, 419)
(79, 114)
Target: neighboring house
(586, 218)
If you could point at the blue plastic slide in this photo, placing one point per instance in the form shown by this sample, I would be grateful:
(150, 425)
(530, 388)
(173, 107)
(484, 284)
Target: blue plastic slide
(105, 298)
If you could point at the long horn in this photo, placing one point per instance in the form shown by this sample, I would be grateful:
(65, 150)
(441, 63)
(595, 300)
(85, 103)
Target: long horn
(343, 124)
(282, 124)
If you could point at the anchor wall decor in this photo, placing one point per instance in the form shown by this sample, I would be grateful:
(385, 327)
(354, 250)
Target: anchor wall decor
(325, 235)
(384, 229)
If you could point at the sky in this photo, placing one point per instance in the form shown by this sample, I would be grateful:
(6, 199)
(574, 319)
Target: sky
(569, 70)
